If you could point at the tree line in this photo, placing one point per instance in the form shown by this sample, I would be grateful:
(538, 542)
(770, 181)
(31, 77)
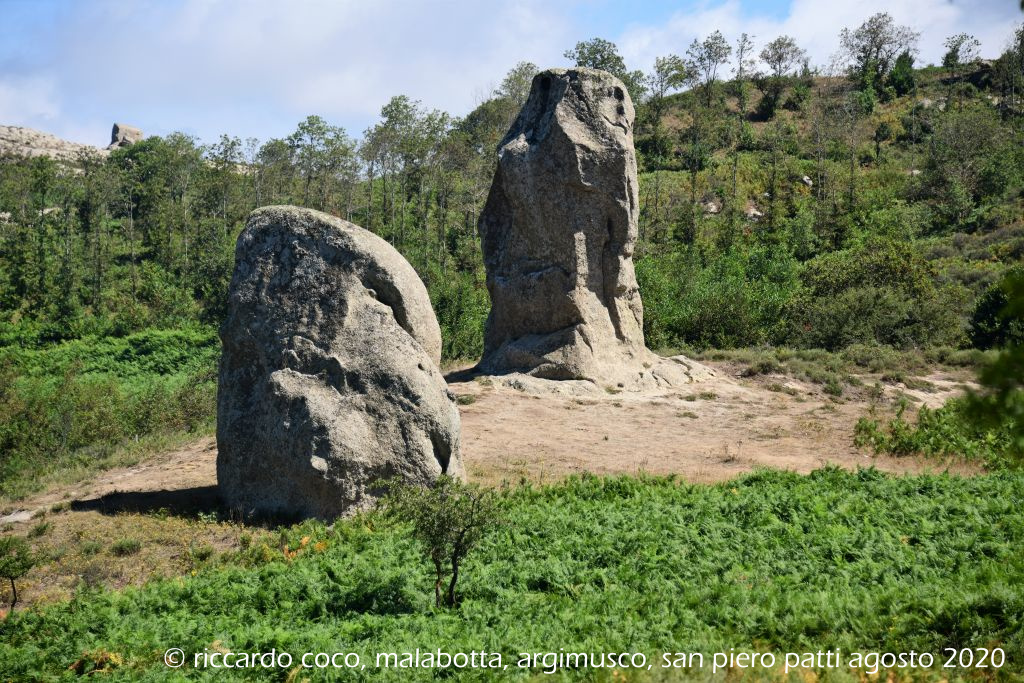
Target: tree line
(760, 172)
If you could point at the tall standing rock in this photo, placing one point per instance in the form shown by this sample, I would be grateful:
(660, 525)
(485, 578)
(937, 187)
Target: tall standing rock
(329, 378)
(558, 233)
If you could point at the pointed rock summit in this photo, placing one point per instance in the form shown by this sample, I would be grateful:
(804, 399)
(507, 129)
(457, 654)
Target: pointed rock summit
(123, 135)
(558, 231)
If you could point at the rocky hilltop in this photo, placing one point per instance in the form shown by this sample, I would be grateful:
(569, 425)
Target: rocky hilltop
(27, 142)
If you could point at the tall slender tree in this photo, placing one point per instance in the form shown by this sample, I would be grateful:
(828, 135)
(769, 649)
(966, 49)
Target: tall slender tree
(706, 58)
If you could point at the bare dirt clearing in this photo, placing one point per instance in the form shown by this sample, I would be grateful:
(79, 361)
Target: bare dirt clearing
(705, 432)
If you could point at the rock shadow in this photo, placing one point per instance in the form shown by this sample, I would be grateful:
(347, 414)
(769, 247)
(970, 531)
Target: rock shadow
(464, 375)
(189, 502)
(195, 502)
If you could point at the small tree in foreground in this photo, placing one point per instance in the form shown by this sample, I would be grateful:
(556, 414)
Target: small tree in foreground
(448, 519)
(15, 561)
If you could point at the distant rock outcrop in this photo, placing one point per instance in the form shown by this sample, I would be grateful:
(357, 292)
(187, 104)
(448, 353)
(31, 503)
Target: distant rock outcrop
(558, 232)
(26, 142)
(123, 135)
(711, 204)
(329, 379)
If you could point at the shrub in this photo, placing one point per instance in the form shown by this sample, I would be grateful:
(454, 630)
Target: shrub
(72, 404)
(798, 97)
(198, 554)
(16, 560)
(971, 159)
(91, 548)
(945, 431)
(880, 292)
(39, 529)
(722, 300)
(448, 519)
(901, 78)
(125, 547)
(461, 302)
(1000, 405)
(896, 220)
(990, 328)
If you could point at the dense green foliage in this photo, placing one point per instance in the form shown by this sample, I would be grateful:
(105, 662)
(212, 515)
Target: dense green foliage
(987, 425)
(722, 301)
(771, 561)
(951, 430)
(74, 402)
(783, 203)
(1001, 403)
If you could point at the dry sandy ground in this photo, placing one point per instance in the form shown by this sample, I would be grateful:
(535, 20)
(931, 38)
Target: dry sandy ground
(704, 432)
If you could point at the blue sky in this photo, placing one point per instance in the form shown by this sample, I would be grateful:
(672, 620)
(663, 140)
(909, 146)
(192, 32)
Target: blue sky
(257, 67)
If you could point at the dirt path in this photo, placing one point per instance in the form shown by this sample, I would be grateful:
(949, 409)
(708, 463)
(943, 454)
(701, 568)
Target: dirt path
(705, 432)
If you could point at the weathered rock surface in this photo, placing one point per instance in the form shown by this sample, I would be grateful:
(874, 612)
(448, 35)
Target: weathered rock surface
(329, 378)
(123, 135)
(558, 233)
(26, 142)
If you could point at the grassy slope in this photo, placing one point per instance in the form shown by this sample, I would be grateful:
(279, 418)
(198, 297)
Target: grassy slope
(77, 406)
(771, 561)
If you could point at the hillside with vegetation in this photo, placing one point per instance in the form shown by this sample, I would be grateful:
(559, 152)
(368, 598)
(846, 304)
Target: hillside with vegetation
(833, 235)
(870, 203)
